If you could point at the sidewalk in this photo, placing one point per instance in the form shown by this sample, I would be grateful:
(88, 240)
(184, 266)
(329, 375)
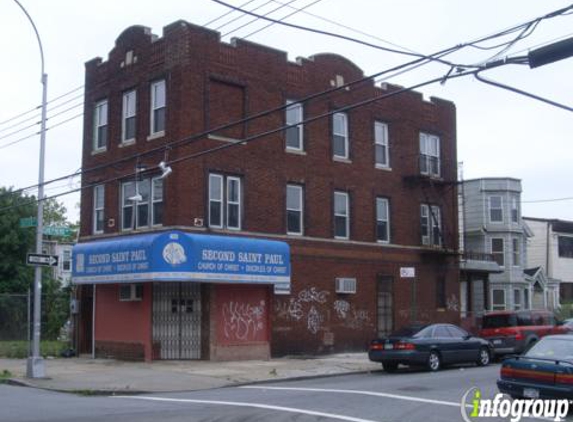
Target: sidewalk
(103, 376)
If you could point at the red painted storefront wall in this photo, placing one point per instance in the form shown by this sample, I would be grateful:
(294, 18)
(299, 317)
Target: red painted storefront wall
(123, 329)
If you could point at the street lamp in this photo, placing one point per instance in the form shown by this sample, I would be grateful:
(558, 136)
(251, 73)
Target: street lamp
(35, 367)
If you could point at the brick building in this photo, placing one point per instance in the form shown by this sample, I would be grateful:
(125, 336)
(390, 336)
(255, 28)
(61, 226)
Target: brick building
(362, 203)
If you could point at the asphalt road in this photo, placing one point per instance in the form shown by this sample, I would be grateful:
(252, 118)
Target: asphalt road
(406, 396)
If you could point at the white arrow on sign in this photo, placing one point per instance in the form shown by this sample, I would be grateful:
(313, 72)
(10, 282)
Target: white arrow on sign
(42, 259)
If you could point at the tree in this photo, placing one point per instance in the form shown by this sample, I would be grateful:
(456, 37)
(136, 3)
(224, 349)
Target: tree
(16, 242)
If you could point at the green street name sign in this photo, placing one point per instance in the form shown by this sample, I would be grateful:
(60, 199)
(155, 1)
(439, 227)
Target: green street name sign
(28, 222)
(57, 231)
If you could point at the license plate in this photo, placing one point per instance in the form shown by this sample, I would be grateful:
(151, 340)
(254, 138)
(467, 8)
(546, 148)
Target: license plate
(498, 341)
(530, 393)
(388, 346)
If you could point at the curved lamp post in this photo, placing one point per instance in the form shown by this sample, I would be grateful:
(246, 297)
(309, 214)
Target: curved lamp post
(35, 365)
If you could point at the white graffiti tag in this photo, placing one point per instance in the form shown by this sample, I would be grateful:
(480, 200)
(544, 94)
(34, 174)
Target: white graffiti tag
(312, 295)
(314, 320)
(290, 310)
(341, 307)
(452, 303)
(242, 321)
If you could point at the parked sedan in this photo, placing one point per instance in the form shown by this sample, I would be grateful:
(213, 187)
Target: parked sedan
(431, 346)
(544, 371)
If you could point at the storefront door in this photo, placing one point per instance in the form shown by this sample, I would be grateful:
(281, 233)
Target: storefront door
(177, 320)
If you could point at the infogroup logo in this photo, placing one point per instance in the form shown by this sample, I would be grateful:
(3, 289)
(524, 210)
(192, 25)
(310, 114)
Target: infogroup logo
(515, 409)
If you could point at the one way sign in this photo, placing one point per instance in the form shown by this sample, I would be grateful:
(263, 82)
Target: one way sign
(43, 260)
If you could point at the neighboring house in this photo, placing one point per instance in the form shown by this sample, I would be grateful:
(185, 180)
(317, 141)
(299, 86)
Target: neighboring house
(314, 238)
(494, 232)
(551, 248)
(63, 250)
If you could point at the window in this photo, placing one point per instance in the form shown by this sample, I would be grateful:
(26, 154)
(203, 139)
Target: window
(498, 300)
(497, 250)
(98, 209)
(382, 220)
(128, 119)
(341, 216)
(441, 293)
(100, 126)
(340, 135)
(158, 106)
(565, 247)
(141, 203)
(381, 145)
(294, 209)
(67, 260)
(517, 299)
(516, 252)
(430, 155)
(431, 225)
(225, 206)
(442, 332)
(457, 332)
(294, 134)
(233, 203)
(495, 209)
(526, 299)
(515, 209)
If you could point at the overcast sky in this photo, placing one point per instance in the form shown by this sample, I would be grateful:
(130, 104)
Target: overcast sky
(500, 133)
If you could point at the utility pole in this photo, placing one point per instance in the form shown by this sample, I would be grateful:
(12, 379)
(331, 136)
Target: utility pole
(35, 367)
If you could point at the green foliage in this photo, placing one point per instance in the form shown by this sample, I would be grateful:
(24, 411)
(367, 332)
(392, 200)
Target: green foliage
(16, 242)
(19, 349)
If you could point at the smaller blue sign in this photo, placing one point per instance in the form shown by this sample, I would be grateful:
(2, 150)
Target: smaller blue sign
(179, 256)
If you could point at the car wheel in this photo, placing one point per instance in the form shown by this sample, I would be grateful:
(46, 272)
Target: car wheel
(390, 367)
(484, 357)
(434, 361)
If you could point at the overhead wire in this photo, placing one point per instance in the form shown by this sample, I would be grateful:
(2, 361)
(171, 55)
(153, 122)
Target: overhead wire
(176, 143)
(257, 18)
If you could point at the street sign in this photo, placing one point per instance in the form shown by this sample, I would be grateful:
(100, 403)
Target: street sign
(43, 260)
(57, 231)
(28, 222)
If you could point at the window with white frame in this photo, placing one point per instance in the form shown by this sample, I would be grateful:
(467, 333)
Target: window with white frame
(565, 246)
(526, 298)
(294, 209)
(381, 152)
(100, 126)
(431, 225)
(294, 134)
(515, 209)
(98, 209)
(498, 300)
(497, 250)
(141, 203)
(128, 123)
(341, 215)
(158, 107)
(382, 220)
(516, 252)
(225, 202)
(67, 260)
(340, 135)
(430, 155)
(496, 209)
(517, 299)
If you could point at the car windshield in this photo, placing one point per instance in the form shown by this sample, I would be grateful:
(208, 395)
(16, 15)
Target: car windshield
(552, 348)
(499, 321)
(409, 331)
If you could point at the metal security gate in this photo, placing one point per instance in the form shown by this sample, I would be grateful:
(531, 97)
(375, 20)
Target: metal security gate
(385, 306)
(177, 320)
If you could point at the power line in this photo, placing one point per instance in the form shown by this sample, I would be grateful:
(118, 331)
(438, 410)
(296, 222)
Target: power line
(283, 18)
(227, 13)
(257, 18)
(240, 16)
(253, 137)
(38, 107)
(308, 98)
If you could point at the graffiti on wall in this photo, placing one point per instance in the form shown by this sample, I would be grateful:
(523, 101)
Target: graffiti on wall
(342, 308)
(452, 303)
(243, 321)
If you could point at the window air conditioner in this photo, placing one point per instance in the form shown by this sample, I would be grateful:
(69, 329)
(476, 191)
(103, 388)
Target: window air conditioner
(130, 292)
(345, 285)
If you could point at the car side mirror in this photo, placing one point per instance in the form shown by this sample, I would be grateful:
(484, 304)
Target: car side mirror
(467, 336)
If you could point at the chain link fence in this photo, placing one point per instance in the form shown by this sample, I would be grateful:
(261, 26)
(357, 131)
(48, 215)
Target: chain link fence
(16, 313)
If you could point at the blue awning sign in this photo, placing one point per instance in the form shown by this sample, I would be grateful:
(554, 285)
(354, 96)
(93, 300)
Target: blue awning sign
(179, 256)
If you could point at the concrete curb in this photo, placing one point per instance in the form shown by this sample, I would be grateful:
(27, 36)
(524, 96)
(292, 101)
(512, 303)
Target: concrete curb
(96, 392)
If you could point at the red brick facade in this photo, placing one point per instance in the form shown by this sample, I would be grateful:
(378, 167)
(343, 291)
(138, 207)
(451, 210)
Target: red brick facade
(210, 83)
